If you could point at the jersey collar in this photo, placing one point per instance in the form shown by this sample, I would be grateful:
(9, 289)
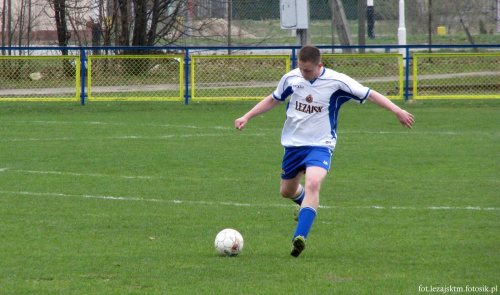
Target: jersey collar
(322, 72)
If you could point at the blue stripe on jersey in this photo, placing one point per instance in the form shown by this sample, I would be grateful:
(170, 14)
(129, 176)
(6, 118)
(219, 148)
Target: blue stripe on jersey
(336, 100)
(367, 93)
(319, 77)
(288, 91)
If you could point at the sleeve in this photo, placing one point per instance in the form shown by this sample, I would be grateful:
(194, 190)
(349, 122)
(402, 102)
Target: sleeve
(360, 93)
(284, 90)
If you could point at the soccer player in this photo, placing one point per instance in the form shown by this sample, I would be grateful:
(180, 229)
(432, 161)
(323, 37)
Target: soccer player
(309, 133)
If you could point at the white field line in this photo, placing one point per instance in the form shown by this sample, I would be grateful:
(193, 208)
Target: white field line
(117, 198)
(122, 124)
(167, 136)
(77, 174)
(340, 132)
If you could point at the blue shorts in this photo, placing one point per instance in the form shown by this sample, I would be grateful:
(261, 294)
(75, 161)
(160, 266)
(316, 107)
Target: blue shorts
(297, 159)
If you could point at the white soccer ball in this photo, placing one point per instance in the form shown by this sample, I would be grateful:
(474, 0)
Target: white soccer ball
(229, 242)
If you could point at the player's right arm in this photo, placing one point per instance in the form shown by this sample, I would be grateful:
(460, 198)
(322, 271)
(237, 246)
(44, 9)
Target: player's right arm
(263, 106)
(404, 117)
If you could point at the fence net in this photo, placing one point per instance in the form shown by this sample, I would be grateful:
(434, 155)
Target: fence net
(135, 77)
(236, 77)
(456, 75)
(41, 78)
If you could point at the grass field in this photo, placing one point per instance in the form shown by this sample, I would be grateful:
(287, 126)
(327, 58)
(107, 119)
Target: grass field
(127, 197)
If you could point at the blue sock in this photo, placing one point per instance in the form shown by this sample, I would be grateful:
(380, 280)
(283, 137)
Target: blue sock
(300, 198)
(306, 219)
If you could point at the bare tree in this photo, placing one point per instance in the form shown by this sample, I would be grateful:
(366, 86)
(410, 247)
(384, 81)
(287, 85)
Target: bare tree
(61, 24)
(9, 23)
(63, 34)
(165, 25)
(21, 23)
(28, 35)
(4, 9)
(140, 22)
(124, 22)
(130, 22)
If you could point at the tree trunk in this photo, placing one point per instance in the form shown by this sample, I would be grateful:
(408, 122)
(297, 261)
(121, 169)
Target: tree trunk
(61, 25)
(154, 23)
(124, 32)
(3, 26)
(63, 35)
(21, 24)
(29, 24)
(9, 24)
(140, 23)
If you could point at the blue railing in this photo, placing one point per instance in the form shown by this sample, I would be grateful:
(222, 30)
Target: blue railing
(407, 49)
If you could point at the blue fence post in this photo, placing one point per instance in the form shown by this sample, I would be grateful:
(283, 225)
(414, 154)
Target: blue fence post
(186, 80)
(83, 71)
(294, 58)
(407, 80)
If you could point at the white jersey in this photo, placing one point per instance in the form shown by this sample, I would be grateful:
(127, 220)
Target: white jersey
(313, 108)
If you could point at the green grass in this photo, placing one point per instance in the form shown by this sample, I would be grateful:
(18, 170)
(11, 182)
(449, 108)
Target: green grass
(85, 189)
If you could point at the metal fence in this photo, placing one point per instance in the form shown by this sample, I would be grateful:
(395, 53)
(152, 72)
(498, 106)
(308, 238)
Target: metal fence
(135, 77)
(457, 75)
(36, 77)
(209, 73)
(233, 77)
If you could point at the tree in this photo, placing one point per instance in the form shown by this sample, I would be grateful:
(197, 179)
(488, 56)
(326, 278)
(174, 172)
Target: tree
(124, 22)
(140, 22)
(63, 34)
(156, 21)
(130, 22)
(61, 24)
(166, 19)
(4, 10)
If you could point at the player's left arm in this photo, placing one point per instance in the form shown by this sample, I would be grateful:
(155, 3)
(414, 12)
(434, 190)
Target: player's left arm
(404, 117)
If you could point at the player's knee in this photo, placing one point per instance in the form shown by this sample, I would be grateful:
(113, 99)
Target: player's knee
(287, 193)
(313, 185)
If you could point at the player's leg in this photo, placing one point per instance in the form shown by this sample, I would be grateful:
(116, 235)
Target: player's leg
(307, 214)
(292, 171)
(292, 189)
(314, 178)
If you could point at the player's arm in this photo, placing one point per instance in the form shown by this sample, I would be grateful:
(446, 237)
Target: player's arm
(404, 117)
(263, 106)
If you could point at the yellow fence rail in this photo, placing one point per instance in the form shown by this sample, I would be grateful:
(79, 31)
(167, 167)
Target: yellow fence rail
(456, 75)
(39, 78)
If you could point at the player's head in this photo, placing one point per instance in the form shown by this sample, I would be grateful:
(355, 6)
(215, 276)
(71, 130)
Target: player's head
(310, 62)
(310, 53)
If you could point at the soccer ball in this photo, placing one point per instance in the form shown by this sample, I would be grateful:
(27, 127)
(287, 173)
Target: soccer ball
(229, 242)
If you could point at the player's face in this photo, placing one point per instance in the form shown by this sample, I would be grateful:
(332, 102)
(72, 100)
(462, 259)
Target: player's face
(309, 70)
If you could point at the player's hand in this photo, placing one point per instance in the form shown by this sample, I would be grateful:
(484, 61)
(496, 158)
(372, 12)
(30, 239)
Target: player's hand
(406, 118)
(240, 123)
